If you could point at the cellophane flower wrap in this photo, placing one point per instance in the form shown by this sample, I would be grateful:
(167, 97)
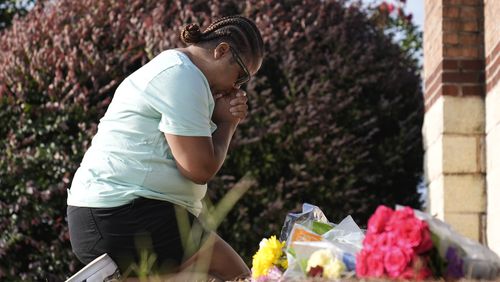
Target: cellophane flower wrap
(319, 248)
(455, 256)
(269, 261)
(397, 245)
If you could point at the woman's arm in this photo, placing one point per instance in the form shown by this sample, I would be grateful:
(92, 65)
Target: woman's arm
(200, 158)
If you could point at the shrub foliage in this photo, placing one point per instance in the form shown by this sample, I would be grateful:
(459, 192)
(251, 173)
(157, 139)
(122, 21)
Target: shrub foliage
(335, 115)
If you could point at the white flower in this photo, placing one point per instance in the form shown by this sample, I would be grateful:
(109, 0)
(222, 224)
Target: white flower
(332, 267)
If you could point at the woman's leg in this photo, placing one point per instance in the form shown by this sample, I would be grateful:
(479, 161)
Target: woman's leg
(127, 234)
(218, 259)
(150, 225)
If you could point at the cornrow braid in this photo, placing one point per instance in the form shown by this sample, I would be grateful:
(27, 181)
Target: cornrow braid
(191, 34)
(240, 31)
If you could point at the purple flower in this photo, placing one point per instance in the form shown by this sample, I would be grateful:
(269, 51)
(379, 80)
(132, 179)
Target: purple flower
(274, 274)
(455, 264)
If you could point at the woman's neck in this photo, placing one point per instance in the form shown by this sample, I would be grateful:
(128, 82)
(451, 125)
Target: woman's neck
(200, 58)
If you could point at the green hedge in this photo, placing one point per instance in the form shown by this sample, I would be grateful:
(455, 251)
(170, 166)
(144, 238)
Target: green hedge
(335, 116)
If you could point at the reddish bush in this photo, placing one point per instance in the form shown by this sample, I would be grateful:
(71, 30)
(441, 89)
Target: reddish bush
(59, 67)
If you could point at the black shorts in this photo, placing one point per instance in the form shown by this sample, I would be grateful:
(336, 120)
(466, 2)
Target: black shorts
(159, 230)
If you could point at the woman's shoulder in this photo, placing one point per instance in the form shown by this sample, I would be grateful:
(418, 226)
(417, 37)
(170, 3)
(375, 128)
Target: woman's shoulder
(176, 65)
(171, 64)
(167, 59)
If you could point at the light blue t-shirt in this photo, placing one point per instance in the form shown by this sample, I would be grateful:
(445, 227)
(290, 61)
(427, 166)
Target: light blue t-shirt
(129, 156)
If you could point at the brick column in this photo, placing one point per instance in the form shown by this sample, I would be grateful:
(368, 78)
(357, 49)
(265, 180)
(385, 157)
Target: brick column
(455, 113)
(492, 52)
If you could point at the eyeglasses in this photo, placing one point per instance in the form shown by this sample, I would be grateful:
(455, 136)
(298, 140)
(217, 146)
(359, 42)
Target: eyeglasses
(246, 77)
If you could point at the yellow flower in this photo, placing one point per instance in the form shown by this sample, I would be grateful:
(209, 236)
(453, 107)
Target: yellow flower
(332, 267)
(269, 254)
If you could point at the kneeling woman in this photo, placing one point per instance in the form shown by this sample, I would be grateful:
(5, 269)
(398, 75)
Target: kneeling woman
(164, 136)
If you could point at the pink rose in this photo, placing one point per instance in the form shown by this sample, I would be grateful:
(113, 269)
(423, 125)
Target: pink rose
(404, 213)
(396, 261)
(379, 219)
(376, 241)
(409, 232)
(409, 252)
(399, 216)
(414, 233)
(361, 265)
(375, 263)
(391, 239)
(370, 264)
(426, 242)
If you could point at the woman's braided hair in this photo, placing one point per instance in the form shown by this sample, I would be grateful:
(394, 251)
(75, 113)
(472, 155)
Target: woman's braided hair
(240, 31)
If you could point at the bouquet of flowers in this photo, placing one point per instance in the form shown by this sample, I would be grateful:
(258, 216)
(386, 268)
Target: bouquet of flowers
(395, 246)
(313, 246)
(308, 259)
(409, 244)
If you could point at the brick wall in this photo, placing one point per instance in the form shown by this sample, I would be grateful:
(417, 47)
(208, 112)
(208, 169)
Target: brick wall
(454, 123)
(454, 49)
(492, 53)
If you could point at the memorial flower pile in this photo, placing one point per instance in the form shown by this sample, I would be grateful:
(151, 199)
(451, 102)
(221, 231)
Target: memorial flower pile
(399, 244)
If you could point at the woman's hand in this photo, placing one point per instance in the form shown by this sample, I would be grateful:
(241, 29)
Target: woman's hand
(230, 108)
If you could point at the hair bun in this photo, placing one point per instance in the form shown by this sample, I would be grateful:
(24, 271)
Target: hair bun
(191, 33)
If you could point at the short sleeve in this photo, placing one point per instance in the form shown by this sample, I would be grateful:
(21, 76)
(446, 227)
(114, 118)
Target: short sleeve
(182, 97)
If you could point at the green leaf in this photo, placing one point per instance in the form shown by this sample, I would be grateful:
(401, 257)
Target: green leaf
(321, 227)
